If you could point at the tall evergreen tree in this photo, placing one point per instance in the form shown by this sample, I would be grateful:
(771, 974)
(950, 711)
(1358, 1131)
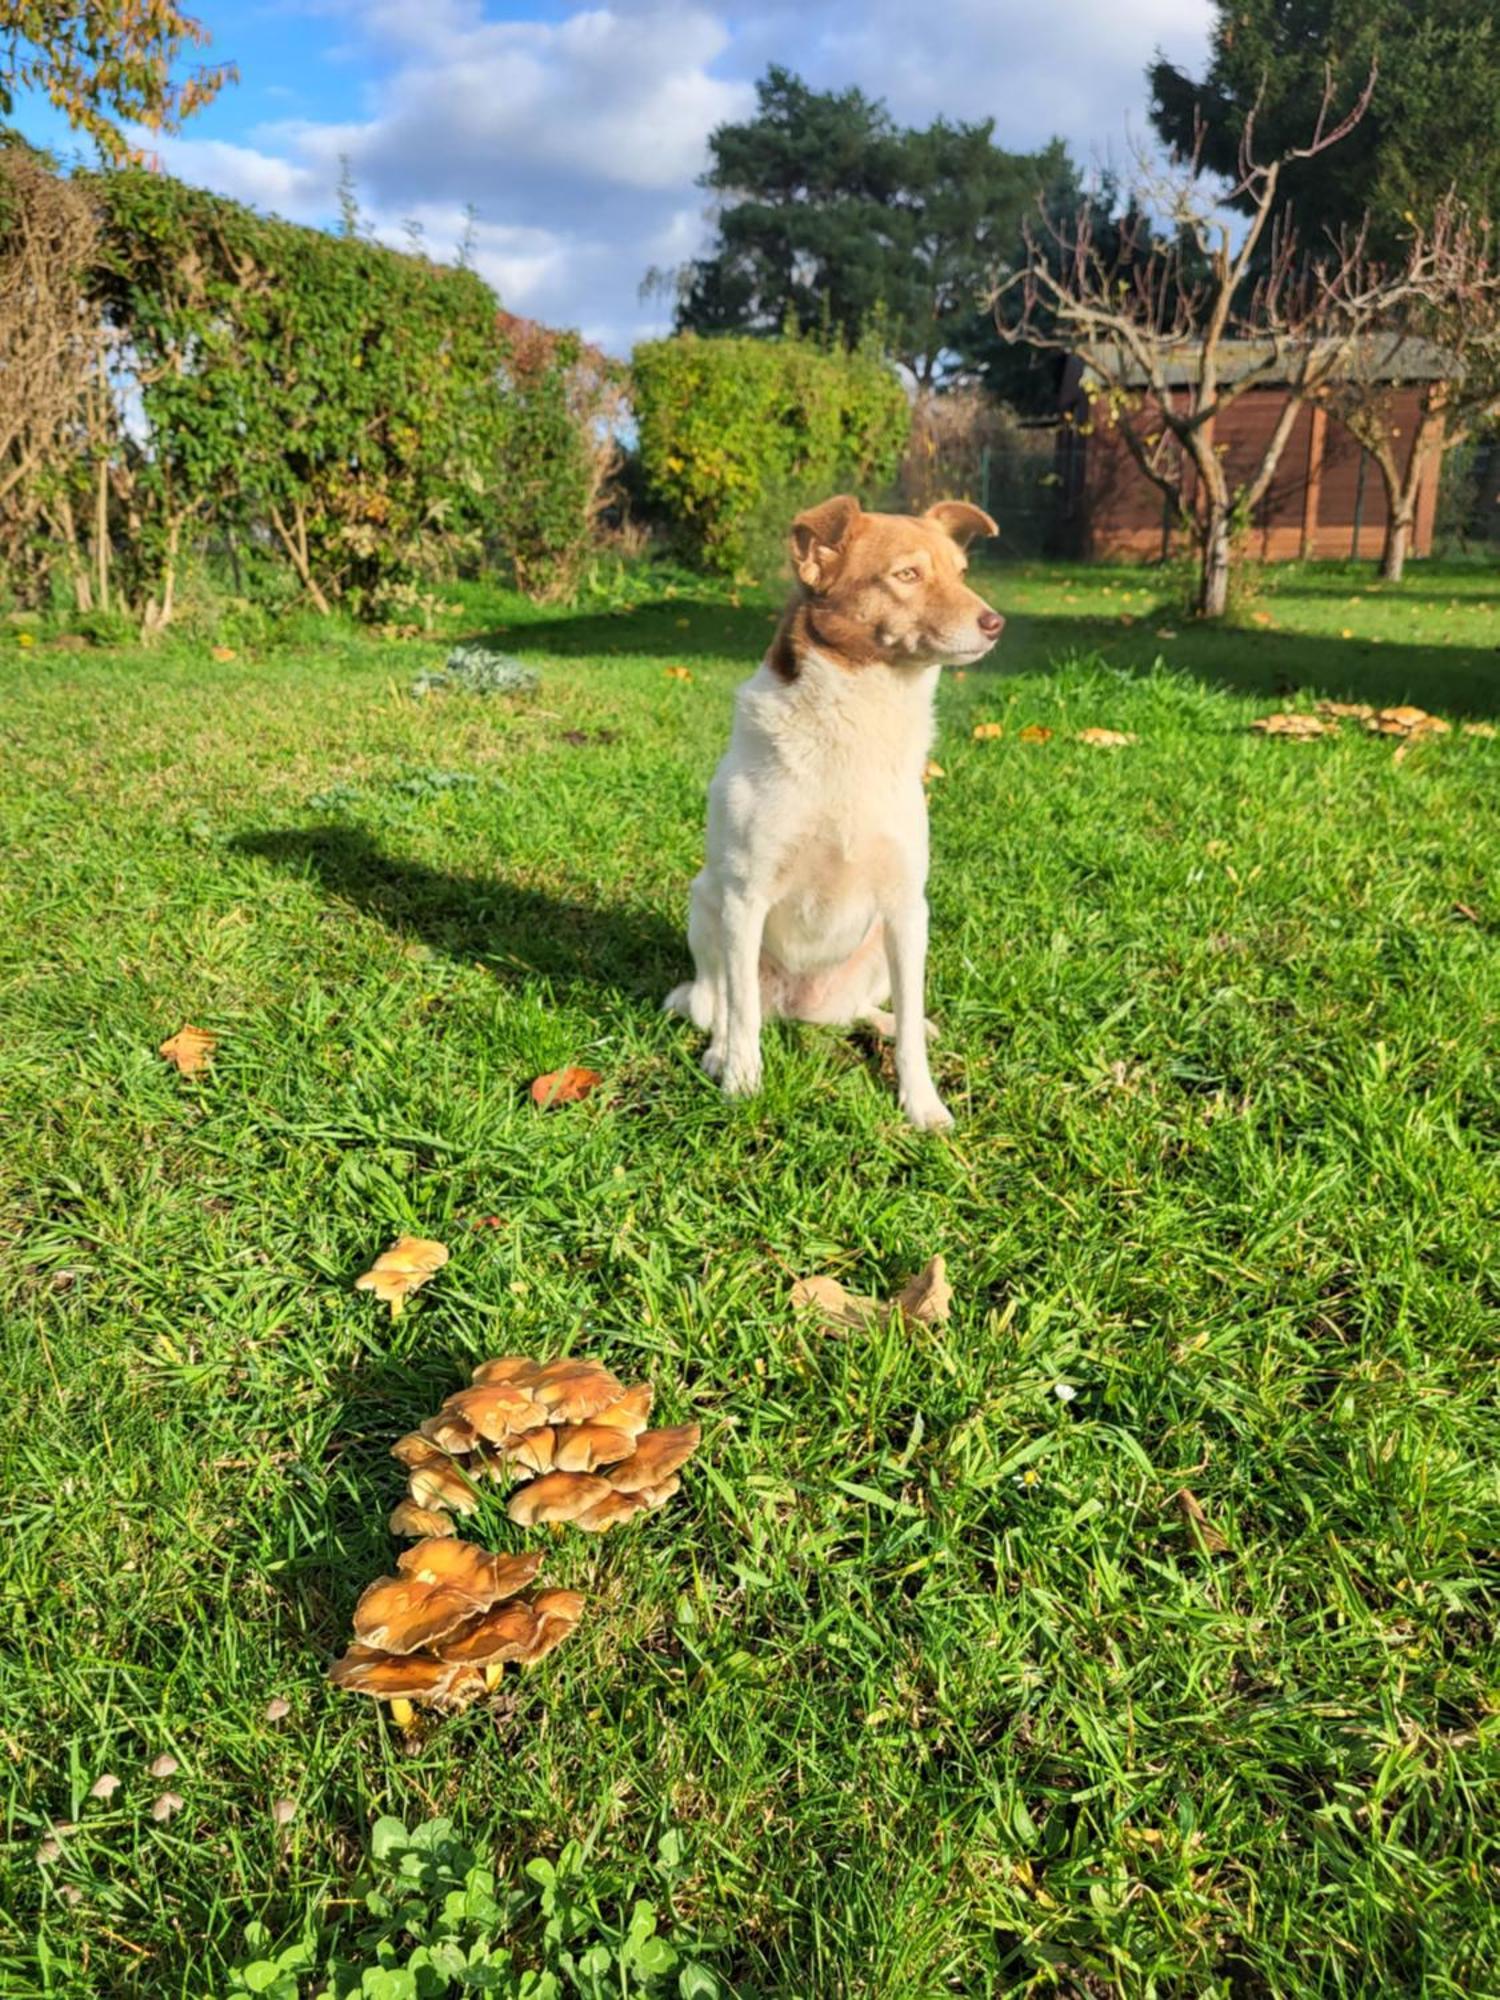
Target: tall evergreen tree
(1433, 126)
(833, 217)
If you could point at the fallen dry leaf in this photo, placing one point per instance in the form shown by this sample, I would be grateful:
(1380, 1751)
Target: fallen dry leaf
(1467, 912)
(564, 1086)
(1106, 739)
(1165, 632)
(190, 1050)
(222, 653)
(986, 732)
(928, 1297)
(402, 1270)
(678, 673)
(932, 769)
(1300, 728)
(925, 1299)
(1035, 732)
(1210, 1539)
(1261, 618)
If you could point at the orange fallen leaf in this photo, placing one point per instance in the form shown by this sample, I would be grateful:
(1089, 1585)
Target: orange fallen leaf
(1211, 1540)
(932, 769)
(402, 1270)
(222, 652)
(1036, 732)
(190, 1049)
(1127, 617)
(1106, 739)
(1467, 912)
(1261, 618)
(678, 673)
(564, 1086)
(986, 732)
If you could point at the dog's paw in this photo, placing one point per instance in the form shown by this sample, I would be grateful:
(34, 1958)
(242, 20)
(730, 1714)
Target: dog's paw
(740, 1078)
(713, 1062)
(927, 1112)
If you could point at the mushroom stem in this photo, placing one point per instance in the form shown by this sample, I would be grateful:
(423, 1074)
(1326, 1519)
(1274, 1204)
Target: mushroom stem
(402, 1712)
(492, 1675)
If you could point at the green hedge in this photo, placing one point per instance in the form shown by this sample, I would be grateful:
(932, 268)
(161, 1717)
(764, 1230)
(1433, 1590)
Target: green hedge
(727, 424)
(345, 395)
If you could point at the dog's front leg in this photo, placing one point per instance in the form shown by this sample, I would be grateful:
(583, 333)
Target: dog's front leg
(906, 949)
(733, 1056)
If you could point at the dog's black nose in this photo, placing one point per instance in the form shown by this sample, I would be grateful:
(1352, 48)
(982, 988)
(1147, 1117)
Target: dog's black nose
(991, 624)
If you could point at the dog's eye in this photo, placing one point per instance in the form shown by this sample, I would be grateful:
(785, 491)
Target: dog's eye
(907, 575)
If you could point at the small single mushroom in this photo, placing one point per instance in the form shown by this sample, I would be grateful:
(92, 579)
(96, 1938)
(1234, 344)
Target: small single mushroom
(631, 1413)
(557, 1496)
(441, 1484)
(401, 1614)
(104, 1786)
(586, 1447)
(461, 1566)
(163, 1766)
(657, 1455)
(411, 1520)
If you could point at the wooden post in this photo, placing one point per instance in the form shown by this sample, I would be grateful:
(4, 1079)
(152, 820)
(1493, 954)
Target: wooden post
(1312, 493)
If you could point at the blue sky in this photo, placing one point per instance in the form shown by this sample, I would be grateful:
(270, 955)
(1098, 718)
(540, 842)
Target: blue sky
(578, 132)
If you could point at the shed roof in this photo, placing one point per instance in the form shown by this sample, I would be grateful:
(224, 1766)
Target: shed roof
(1379, 357)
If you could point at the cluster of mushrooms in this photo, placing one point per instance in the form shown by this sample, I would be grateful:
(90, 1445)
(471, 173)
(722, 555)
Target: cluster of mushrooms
(569, 1431)
(439, 1632)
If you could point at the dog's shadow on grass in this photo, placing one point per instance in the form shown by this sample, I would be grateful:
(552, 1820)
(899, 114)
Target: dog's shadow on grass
(516, 933)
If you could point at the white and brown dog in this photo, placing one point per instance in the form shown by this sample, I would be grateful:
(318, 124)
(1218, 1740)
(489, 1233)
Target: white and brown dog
(812, 903)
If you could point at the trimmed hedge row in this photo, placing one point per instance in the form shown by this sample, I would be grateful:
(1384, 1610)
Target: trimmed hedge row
(726, 424)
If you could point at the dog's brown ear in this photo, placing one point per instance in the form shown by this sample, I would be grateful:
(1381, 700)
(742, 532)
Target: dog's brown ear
(818, 538)
(963, 521)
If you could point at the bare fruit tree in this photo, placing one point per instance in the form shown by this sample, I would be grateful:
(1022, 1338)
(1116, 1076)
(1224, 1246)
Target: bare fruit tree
(1190, 301)
(1441, 339)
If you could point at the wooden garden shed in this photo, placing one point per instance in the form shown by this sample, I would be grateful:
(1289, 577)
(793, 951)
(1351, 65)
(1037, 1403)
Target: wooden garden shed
(1327, 498)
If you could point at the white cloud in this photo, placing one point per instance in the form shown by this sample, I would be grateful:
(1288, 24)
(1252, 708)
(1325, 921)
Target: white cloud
(578, 141)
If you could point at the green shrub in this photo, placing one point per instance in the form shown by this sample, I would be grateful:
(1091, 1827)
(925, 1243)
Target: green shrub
(436, 1920)
(727, 425)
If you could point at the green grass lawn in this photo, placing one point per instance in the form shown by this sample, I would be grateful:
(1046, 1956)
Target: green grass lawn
(927, 1666)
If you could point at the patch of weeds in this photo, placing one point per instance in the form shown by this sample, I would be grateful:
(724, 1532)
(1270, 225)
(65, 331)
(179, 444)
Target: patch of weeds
(477, 670)
(434, 1918)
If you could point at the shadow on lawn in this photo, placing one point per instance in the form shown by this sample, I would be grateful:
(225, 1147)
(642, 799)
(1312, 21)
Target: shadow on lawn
(514, 932)
(1277, 662)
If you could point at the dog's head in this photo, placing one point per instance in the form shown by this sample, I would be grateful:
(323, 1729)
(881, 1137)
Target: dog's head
(890, 587)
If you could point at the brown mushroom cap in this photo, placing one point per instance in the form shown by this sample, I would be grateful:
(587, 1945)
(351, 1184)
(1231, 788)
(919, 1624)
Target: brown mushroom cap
(631, 1413)
(410, 1519)
(400, 1614)
(556, 1612)
(415, 1449)
(514, 1368)
(536, 1452)
(574, 1392)
(504, 1633)
(450, 1432)
(609, 1512)
(585, 1447)
(461, 1566)
(391, 1677)
(556, 1496)
(494, 1413)
(439, 1483)
(656, 1456)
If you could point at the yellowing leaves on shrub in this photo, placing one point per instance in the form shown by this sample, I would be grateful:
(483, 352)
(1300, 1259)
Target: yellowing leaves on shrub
(1106, 739)
(678, 673)
(564, 1086)
(986, 732)
(1036, 732)
(402, 1270)
(190, 1049)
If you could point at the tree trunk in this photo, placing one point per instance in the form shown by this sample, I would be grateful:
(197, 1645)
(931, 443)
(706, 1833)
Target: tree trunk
(1213, 577)
(1397, 542)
